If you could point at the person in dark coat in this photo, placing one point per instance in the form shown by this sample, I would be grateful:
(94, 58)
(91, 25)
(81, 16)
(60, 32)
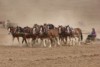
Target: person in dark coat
(92, 35)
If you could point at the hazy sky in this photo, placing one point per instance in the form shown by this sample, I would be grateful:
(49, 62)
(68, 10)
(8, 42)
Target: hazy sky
(73, 12)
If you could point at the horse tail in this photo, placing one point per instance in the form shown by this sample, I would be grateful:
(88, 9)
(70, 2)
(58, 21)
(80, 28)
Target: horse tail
(81, 35)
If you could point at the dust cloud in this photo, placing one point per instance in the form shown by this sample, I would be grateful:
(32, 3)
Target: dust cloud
(76, 13)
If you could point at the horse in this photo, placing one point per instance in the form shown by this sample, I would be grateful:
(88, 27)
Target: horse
(77, 34)
(14, 34)
(49, 34)
(62, 34)
(54, 35)
(26, 34)
(69, 34)
(30, 33)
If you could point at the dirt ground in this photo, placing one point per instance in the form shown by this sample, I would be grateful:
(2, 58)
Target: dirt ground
(73, 56)
(64, 56)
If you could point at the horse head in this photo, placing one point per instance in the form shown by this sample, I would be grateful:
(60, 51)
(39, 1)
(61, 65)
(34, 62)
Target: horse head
(34, 30)
(68, 29)
(26, 29)
(11, 30)
(61, 29)
(41, 31)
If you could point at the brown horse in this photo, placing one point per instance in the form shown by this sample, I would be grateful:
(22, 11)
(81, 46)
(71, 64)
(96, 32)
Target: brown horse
(29, 33)
(72, 34)
(51, 35)
(77, 34)
(14, 34)
(62, 34)
(54, 35)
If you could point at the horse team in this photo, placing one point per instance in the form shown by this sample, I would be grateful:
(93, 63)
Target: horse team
(48, 34)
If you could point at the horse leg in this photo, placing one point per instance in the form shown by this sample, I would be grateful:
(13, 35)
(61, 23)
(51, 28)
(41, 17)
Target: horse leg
(37, 40)
(26, 42)
(60, 39)
(41, 42)
(13, 40)
(58, 42)
(68, 40)
(24, 39)
(44, 42)
(18, 40)
(65, 42)
(47, 42)
(50, 42)
(33, 41)
(73, 40)
(77, 40)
